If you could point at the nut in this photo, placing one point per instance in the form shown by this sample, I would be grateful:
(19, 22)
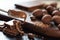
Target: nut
(56, 19)
(56, 12)
(50, 9)
(37, 13)
(46, 19)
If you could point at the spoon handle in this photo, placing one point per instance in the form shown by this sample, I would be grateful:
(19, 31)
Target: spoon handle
(3, 10)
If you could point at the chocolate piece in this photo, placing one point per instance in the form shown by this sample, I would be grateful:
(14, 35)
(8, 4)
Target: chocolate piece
(39, 27)
(30, 6)
(5, 18)
(46, 19)
(37, 13)
(56, 19)
(56, 12)
(44, 29)
(19, 14)
(30, 36)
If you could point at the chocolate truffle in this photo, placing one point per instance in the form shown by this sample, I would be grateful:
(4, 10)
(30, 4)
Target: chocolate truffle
(56, 19)
(46, 19)
(37, 13)
(18, 14)
(56, 12)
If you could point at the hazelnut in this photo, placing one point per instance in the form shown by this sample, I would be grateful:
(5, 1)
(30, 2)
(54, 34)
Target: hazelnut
(56, 19)
(46, 19)
(44, 11)
(30, 36)
(37, 13)
(56, 12)
(50, 9)
(54, 4)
